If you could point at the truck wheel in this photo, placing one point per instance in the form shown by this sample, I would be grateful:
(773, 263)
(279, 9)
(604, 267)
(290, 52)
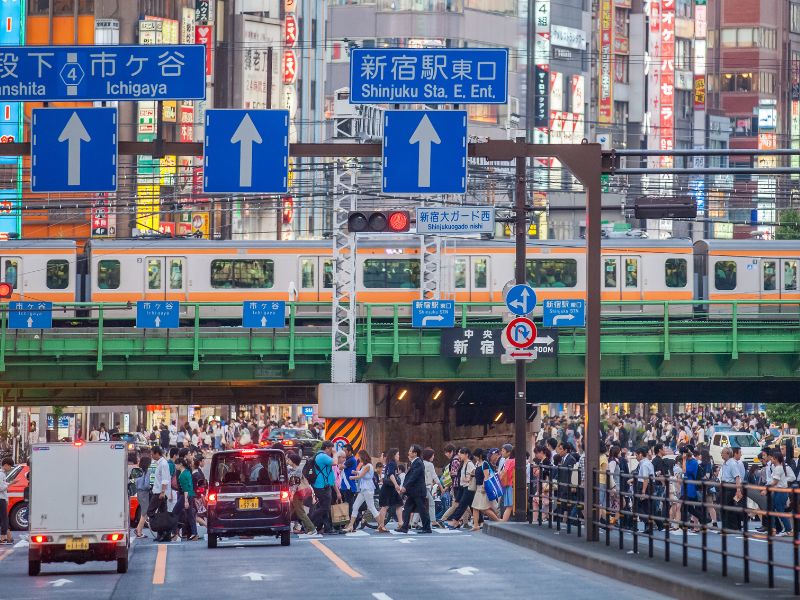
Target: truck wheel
(34, 567)
(19, 517)
(212, 540)
(122, 565)
(286, 538)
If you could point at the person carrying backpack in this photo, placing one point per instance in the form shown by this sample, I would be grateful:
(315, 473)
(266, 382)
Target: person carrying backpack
(319, 473)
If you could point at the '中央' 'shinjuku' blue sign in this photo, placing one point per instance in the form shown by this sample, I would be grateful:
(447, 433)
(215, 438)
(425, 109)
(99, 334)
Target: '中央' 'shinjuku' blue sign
(564, 313)
(70, 73)
(433, 313)
(264, 315)
(455, 220)
(424, 152)
(158, 314)
(74, 150)
(30, 315)
(429, 75)
(246, 151)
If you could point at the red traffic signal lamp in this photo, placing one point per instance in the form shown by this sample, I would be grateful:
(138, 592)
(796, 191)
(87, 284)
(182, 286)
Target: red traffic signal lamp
(6, 290)
(379, 221)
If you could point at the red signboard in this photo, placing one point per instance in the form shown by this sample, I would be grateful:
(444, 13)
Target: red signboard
(289, 67)
(666, 92)
(290, 30)
(187, 124)
(204, 34)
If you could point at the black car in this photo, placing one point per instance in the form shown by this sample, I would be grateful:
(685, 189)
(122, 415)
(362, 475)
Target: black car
(301, 441)
(248, 494)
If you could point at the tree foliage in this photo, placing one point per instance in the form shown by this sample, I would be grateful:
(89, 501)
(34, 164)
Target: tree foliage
(784, 413)
(789, 228)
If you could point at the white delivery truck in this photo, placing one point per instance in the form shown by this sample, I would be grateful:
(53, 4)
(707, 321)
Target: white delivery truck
(78, 504)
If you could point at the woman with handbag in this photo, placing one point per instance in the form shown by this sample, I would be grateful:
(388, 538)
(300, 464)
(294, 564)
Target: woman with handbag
(481, 504)
(366, 490)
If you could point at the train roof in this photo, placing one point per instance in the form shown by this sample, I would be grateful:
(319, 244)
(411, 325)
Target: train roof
(754, 245)
(411, 241)
(24, 244)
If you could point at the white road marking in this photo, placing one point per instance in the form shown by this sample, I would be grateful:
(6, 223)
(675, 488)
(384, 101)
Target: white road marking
(381, 596)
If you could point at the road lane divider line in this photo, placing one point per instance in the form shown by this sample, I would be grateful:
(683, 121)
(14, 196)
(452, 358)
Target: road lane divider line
(160, 568)
(5, 553)
(381, 596)
(343, 566)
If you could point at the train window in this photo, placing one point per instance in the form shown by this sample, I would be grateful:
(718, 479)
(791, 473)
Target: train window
(176, 274)
(327, 273)
(57, 276)
(108, 274)
(391, 273)
(769, 275)
(307, 272)
(460, 273)
(480, 270)
(631, 272)
(552, 273)
(725, 275)
(610, 271)
(790, 275)
(248, 274)
(675, 272)
(154, 274)
(11, 269)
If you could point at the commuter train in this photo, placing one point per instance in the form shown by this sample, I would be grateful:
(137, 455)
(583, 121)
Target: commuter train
(389, 270)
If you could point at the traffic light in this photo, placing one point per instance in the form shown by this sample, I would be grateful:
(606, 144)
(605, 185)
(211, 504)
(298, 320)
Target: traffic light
(6, 290)
(379, 221)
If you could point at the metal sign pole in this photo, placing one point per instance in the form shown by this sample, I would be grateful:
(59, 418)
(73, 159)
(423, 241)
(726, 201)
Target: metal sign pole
(520, 382)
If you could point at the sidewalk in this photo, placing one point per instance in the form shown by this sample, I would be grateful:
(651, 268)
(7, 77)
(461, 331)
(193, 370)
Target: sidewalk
(669, 578)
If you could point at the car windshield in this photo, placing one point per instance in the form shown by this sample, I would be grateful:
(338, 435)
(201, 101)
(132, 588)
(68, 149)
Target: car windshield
(12, 474)
(257, 469)
(291, 434)
(744, 440)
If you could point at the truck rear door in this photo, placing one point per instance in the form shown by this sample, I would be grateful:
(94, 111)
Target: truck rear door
(102, 491)
(54, 487)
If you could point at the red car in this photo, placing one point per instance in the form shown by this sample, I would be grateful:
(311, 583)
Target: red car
(18, 503)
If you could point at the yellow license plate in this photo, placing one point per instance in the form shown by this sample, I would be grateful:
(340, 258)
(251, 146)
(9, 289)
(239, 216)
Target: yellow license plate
(248, 503)
(77, 544)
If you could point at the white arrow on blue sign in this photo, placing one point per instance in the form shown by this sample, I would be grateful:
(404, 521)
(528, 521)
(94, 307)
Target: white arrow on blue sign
(30, 315)
(74, 150)
(264, 315)
(425, 152)
(433, 313)
(521, 299)
(158, 314)
(564, 313)
(246, 151)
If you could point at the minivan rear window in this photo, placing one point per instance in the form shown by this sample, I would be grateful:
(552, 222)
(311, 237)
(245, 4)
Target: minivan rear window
(249, 469)
(743, 441)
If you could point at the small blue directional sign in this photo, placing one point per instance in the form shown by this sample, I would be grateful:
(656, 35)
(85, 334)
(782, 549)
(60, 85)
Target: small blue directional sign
(264, 315)
(425, 152)
(564, 313)
(428, 75)
(158, 314)
(521, 299)
(246, 151)
(308, 411)
(30, 315)
(433, 313)
(74, 150)
(71, 73)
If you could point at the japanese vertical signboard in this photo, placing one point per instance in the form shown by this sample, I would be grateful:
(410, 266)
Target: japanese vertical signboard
(666, 120)
(605, 113)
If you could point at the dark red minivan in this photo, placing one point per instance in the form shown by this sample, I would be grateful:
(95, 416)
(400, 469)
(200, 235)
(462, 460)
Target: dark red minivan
(248, 495)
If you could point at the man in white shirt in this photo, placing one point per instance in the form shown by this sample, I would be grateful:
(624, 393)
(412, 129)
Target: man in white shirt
(643, 483)
(161, 486)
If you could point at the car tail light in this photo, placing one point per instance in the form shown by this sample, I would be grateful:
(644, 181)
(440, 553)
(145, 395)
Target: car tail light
(249, 451)
(284, 496)
(113, 537)
(288, 443)
(79, 443)
(41, 539)
(211, 499)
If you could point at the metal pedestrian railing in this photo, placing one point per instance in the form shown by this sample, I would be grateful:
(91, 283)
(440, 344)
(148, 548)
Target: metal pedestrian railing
(746, 525)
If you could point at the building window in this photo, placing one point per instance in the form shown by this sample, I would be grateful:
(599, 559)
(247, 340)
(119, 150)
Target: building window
(683, 8)
(683, 55)
(794, 20)
(766, 82)
(749, 37)
(483, 113)
(621, 68)
(736, 82)
(247, 274)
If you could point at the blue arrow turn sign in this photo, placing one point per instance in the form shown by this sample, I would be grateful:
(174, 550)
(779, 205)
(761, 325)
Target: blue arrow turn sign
(521, 299)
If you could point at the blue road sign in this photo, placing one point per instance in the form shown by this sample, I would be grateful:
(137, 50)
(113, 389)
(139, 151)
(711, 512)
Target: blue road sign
(308, 411)
(158, 314)
(521, 299)
(428, 75)
(70, 73)
(564, 313)
(425, 152)
(261, 314)
(63, 422)
(433, 313)
(455, 220)
(74, 150)
(246, 151)
(30, 315)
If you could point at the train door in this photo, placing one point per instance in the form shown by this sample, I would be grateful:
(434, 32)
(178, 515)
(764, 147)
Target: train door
(770, 277)
(316, 280)
(622, 281)
(165, 278)
(471, 280)
(11, 269)
(789, 285)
